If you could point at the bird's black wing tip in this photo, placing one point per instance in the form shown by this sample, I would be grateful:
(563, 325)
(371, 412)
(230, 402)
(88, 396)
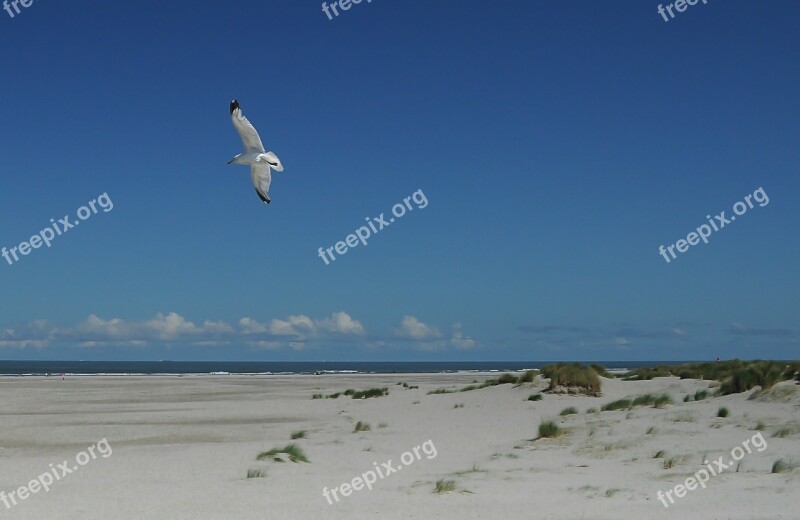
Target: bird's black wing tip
(263, 198)
(234, 105)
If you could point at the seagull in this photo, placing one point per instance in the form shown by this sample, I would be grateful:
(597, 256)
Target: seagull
(254, 155)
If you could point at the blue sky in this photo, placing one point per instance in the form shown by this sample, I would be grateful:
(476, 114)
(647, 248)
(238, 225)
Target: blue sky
(558, 144)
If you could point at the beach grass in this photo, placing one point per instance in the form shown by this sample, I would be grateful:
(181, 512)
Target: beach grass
(445, 486)
(292, 451)
(549, 430)
(734, 376)
(372, 392)
(575, 375)
(362, 427)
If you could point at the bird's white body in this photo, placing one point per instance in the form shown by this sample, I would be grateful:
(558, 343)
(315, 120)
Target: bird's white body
(260, 161)
(249, 159)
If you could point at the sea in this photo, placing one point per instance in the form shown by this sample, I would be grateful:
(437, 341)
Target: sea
(170, 368)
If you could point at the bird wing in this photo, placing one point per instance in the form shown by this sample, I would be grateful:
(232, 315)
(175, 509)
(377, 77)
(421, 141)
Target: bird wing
(248, 133)
(261, 177)
(274, 161)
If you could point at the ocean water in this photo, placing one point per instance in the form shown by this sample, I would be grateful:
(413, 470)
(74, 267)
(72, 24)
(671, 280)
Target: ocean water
(20, 368)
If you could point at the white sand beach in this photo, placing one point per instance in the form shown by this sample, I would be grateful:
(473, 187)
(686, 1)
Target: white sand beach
(182, 448)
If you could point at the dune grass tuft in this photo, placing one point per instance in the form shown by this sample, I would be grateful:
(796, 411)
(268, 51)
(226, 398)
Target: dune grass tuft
(735, 375)
(549, 430)
(300, 434)
(292, 451)
(372, 392)
(529, 376)
(507, 379)
(535, 397)
(781, 466)
(256, 473)
(441, 391)
(362, 427)
(573, 376)
(782, 433)
(619, 404)
(569, 411)
(445, 486)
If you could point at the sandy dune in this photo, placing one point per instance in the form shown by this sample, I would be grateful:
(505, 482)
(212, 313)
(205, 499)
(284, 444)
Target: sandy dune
(182, 447)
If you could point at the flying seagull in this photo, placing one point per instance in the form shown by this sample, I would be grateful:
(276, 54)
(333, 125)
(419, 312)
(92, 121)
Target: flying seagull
(254, 155)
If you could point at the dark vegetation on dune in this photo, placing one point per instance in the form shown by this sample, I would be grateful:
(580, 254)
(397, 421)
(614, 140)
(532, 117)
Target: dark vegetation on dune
(575, 375)
(735, 376)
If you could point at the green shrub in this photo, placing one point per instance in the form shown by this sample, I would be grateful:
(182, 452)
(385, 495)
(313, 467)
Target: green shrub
(644, 400)
(569, 411)
(722, 412)
(445, 486)
(735, 375)
(506, 379)
(440, 391)
(292, 451)
(620, 404)
(782, 433)
(781, 466)
(535, 397)
(573, 376)
(661, 401)
(549, 429)
(529, 376)
(372, 392)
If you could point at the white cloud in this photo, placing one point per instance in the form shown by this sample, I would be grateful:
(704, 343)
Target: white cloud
(300, 325)
(459, 340)
(251, 326)
(295, 332)
(412, 328)
(342, 323)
